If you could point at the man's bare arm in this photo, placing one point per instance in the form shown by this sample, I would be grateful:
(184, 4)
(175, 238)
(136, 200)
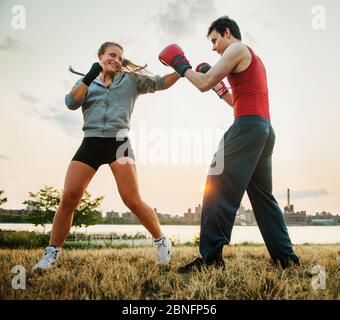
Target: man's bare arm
(228, 98)
(229, 60)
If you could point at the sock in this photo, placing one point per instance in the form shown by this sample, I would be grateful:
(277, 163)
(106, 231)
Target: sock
(159, 239)
(55, 247)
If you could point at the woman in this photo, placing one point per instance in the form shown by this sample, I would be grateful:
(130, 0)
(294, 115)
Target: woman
(107, 95)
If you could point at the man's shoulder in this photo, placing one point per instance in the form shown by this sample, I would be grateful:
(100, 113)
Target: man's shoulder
(238, 46)
(237, 50)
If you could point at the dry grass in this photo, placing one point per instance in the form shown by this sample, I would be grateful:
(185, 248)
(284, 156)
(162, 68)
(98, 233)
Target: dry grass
(132, 274)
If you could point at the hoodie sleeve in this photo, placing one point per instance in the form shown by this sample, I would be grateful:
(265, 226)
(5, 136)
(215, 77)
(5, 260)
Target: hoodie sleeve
(149, 84)
(70, 102)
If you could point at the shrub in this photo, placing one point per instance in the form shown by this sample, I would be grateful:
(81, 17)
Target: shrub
(23, 239)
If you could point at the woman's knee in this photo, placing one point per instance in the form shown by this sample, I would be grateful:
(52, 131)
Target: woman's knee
(71, 198)
(133, 202)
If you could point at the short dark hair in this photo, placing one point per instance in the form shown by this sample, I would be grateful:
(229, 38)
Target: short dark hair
(221, 24)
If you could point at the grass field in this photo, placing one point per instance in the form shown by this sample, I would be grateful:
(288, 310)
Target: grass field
(132, 274)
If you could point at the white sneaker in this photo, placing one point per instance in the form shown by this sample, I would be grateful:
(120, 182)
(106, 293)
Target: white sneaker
(163, 251)
(50, 258)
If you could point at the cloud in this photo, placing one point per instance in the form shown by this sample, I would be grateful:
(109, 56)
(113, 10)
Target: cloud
(304, 194)
(180, 17)
(3, 157)
(11, 44)
(29, 98)
(68, 121)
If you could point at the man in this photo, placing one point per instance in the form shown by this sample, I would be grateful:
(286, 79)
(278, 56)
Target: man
(245, 150)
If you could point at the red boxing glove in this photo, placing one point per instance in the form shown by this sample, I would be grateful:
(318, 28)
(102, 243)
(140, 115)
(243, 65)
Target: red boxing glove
(174, 56)
(203, 67)
(220, 88)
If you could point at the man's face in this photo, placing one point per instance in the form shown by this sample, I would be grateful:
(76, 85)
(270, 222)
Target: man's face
(219, 43)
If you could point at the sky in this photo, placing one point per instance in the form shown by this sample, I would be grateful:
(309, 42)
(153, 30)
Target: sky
(174, 133)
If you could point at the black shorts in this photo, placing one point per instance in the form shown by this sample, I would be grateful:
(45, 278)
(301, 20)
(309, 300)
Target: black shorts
(97, 151)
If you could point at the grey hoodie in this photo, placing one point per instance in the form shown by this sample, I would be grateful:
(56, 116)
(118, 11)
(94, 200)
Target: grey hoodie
(107, 110)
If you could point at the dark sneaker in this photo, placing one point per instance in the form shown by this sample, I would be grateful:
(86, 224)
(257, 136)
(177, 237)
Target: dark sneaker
(285, 263)
(199, 264)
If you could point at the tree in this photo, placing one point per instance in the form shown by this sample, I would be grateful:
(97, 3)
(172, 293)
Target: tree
(43, 205)
(87, 214)
(2, 200)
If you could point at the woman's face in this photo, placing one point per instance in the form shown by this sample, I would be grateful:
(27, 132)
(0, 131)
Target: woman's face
(112, 59)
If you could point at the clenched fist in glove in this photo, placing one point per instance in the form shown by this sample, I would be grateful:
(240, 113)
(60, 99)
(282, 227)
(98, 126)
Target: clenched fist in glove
(174, 57)
(220, 88)
(94, 72)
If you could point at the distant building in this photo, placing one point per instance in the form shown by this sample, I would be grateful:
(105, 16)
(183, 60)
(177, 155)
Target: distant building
(323, 222)
(165, 216)
(291, 217)
(178, 219)
(112, 215)
(289, 208)
(296, 218)
(130, 217)
(198, 214)
(189, 217)
(336, 219)
(324, 215)
(193, 217)
(162, 216)
(245, 217)
(324, 218)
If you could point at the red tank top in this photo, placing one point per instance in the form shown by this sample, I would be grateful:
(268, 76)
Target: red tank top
(250, 90)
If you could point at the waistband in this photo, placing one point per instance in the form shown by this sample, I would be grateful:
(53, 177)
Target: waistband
(99, 139)
(106, 133)
(251, 119)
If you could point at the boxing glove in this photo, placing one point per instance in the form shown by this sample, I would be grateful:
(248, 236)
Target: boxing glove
(94, 72)
(174, 57)
(220, 88)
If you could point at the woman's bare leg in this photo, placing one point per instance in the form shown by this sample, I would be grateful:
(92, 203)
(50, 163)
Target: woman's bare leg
(77, 178)
(126, 178)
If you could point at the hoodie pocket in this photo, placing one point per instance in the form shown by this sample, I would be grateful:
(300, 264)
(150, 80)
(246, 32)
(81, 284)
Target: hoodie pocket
(120, 117)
